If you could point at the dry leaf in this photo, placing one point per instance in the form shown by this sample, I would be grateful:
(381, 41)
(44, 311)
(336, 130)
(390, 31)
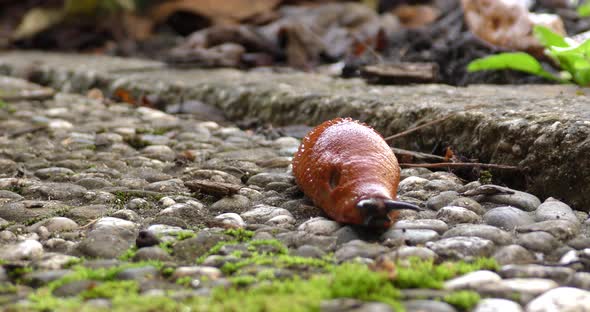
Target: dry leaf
(37, 20)
(414, 16)
(227, 11)
(508, 23)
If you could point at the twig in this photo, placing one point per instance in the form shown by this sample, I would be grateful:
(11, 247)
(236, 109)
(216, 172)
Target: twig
(430, 123)
(460, 165)
(399, 152)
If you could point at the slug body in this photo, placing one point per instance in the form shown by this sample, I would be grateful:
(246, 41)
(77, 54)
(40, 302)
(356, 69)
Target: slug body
(350, 172)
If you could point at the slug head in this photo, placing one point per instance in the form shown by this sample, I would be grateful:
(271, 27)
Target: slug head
(377, 212)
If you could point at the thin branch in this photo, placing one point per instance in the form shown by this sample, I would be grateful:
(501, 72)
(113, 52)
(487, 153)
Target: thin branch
(428, 124)
(459, 165)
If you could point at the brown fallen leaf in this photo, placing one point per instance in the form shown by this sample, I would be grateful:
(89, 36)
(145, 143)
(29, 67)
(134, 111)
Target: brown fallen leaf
(415, 16)
(223, 12)
(508, 23)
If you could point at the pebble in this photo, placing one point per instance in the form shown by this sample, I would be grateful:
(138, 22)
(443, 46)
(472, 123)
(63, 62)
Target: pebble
(553, 209)
(559, 274)
(428, 305)
(56, 224)
(263, 213)
(441, 200)
(560, 229)
(428, 224)
(497, 305)
(507, 218)
(563, 299)
(411, 237)
(513, 254)
(230, 219)
(319, 226)
(454, 215)
(496, 235)
(358, 248)
(460, 247)
(472, 280)
(406, 252)
(25, 250)
(524, 289)
(522, 200)
(538, 241)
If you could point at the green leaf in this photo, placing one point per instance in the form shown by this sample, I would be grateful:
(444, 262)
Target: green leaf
(519, 61)
(584, 9)
(549, 38)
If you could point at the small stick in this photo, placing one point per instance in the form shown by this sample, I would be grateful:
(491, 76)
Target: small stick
(430, 123)
(459, 165)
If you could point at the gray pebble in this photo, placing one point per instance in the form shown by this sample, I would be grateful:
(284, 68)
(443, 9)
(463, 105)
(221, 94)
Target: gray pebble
(428, 305)
(553, 209)
(558, 274)
(154, 253)
(525, 289)
(496, 235)
(320, 226)
(538, 241)
(522, 200)
(309, 251)
(497, 305)
(406, 252)
(441, 200)
(263, 213)
(358, 248)
(513, 254)
(235, 203)
(454, 215)
(471, 280)
(25, 250)
(232, 220)
(411, 237)
(468, 203)
(507, 218)
(428, 224)
(561, 229)
(462, 248)
(561, 299)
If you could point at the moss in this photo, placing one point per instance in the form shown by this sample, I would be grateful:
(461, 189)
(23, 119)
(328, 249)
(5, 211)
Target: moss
(485, 177)
(464, 300)
(111, 289)
(425, 274)
(128, 254)
(182, 235)
(239, 235)
(184, 281)
(167, 247)
(279, 261)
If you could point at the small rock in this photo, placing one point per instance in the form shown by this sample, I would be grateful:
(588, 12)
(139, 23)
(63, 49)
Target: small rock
(428, 306)
(56, 225)
(525, 288)
(507, 218)
(263, 213)
(496, 235)
(411, 184)
(235, 203)
(154, 253)
(411, 237)
(41, 278)
(462, 248)
(454, 215)
(358, 248)
(497, 305)
(263, 179)
(159, 152)
(560, 229)
(232, 220)
(211, 273)
(126, 214)
(428, 224)
(522, 200)
(320, 226)
(472, 280)
(553, 209)
(284, 221)
(513, 254)
(564, 299)
(441, 200)
(580, 280)
(54, 173)
(468, 203)
(309, 251)
(538, 241)
(138, 274)
(558, 274)
(25, 250)
(406, 252)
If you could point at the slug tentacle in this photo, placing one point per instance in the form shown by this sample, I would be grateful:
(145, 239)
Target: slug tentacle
(349, 171)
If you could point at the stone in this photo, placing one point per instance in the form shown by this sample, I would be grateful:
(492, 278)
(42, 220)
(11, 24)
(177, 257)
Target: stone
(406, 252)
(428, 305)
(454, 215)
(319, 226)
(518, 199)
(580, 280)
(471, 280)
(507, 218)
(211, 273)
(411, 237)
(74, 288)
(560, 229)
(411, 184)
(263, 213)
(153, 253)
(358, 248)
(497, 305)
(353, 305)
(462, 248)
(553, 209)
(513, 254)
(563, 299)
(429, 224)
(167, 186)
(54, 261)
(235, 204)
(232, 220)
(138, 274)
(41, 278)
(441, 200)
(56, 225)
(496, 235)
(192, 248)
(25, 250)
(309, 251)
(263, 179)
(109, 238)
(126, 214)
(468, 203)
(524, 288)
(159, 152)
(54, 173)
(559, 274)
(538, 241)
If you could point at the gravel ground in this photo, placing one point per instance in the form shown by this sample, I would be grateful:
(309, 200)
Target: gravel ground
(96, 198)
